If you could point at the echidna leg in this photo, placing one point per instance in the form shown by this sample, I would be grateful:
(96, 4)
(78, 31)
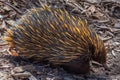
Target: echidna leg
(76, 67)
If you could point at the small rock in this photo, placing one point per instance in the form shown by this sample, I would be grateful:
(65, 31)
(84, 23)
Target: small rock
(28, 67)
(7, 8)
(57, 78)
(94, 1)
(11, 22)
(1, 16)
(5, 76)
(32, 77)
(48, 78)
(1, 74)
(22, 75)
(78, 77)
(117, 25)
(116, 44)
(68, 78)
(17, 70)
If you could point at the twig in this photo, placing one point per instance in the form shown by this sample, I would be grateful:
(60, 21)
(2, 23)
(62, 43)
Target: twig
(13, 7)
(3, 44)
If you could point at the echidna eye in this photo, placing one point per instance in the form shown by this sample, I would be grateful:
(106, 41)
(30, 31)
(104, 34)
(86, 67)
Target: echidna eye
(91, 48)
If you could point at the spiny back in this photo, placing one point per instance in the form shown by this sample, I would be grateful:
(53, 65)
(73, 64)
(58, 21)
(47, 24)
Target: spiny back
(55, 35)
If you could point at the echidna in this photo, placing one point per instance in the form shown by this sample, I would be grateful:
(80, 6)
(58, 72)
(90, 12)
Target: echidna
(54, 35)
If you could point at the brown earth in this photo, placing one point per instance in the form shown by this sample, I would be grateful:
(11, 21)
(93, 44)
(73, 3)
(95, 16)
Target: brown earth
(103, 16)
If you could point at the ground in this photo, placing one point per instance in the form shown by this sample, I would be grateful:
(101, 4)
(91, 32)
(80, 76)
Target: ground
(103, 16)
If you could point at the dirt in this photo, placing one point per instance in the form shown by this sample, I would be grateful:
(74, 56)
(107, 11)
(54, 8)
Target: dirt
(104, 17)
